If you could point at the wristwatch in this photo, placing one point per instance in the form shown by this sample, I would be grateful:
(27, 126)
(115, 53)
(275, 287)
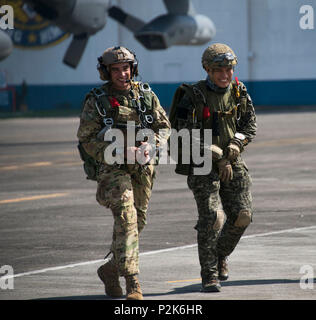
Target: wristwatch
(240, 136)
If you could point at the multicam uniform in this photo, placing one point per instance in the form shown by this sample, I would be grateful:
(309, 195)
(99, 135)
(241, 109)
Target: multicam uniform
(216, 109)
(125, 189)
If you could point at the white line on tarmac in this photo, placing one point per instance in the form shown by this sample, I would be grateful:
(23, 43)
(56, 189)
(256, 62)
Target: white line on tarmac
(278, 232)
(148, 253)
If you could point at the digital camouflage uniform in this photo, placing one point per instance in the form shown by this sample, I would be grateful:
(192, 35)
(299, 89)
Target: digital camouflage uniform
(224, 208)
(124, 189)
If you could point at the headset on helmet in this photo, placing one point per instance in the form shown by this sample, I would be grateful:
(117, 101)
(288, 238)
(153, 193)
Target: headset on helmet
(116, 55)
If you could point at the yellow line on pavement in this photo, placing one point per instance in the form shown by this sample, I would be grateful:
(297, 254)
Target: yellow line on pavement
(36, 154)
(39, 197)
(40, 164)
(27, 165)
(70, 163)
(188, 280)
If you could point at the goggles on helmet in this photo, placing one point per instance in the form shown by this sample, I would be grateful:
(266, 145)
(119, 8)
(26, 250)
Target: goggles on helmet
(224, 56)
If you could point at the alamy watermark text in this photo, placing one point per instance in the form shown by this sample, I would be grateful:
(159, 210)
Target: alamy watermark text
(306, 21)
(6, 17)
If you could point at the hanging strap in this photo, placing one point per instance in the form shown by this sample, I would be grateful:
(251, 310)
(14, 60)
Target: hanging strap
(138, 102)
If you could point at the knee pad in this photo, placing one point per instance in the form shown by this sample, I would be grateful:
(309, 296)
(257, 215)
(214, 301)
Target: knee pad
(209, 225)
(220, 219)
(243, 219)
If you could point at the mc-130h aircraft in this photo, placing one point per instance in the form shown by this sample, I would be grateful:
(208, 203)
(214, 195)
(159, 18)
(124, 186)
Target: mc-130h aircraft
(83, 18)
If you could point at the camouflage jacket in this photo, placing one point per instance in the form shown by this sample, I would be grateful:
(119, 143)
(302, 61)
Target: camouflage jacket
(91, 121)
(223, 103)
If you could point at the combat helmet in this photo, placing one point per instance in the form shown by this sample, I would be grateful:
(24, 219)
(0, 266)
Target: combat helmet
(116, 55)
(218, 55)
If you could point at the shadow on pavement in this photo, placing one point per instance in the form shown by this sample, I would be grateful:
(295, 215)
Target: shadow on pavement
(186, 289)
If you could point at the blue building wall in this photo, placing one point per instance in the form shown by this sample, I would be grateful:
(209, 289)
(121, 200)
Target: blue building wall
(276, 57)
(263, 93)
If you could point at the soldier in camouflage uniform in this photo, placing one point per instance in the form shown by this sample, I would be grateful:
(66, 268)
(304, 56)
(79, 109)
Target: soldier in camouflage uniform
(223, 105)
(124, 188)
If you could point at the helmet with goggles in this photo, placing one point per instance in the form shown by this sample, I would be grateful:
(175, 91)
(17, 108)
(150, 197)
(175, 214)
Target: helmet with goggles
(218, 55)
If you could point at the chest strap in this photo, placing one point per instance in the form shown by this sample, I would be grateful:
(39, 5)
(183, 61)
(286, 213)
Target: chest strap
(138, 102)
(103, 106)
(105, 110)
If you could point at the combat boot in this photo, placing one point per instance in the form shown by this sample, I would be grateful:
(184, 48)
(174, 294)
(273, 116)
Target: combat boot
(110, 277)
(133, 291)
(222, 267)
(210, 284)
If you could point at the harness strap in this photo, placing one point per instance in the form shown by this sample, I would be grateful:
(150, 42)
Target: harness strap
(107, 112)
(138, 101)
(103, 106)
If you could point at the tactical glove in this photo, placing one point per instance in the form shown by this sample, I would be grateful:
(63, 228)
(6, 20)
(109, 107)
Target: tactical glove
(232, 151)
(225, 170)
(217, 152)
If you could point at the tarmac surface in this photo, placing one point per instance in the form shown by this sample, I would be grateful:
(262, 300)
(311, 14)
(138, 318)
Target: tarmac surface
(54, 235)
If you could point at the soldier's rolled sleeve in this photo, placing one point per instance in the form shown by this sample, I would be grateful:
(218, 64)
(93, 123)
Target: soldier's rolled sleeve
(90, 125)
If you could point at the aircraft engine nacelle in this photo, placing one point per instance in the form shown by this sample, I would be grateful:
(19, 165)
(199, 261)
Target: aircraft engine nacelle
(74, 16)
(171, 29)
(6, 45)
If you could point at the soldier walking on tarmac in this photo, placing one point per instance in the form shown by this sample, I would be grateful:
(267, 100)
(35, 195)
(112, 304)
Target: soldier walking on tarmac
(224, 106)
(123, 187)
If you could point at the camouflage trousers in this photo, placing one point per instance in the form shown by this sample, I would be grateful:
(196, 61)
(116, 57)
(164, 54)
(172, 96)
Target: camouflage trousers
(220, 228)
(126, 191)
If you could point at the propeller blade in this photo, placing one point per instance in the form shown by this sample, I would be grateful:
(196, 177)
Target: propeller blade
(130, 22)
(75, 50)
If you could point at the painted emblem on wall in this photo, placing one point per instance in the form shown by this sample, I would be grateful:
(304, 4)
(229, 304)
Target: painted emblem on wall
(31, 31)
